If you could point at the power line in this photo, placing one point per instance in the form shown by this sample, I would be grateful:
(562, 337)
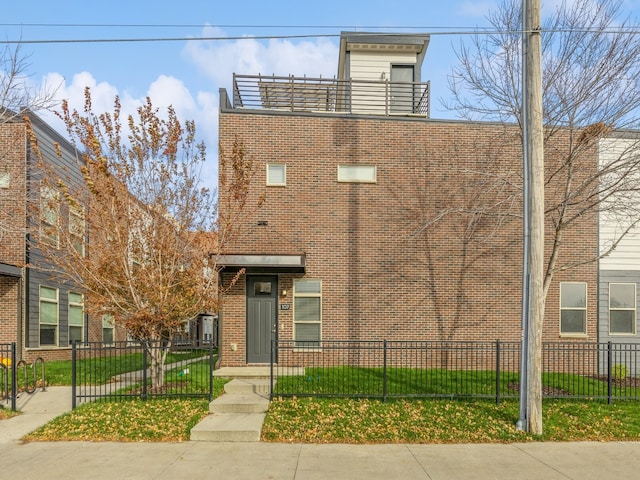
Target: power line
(194, 25)
(478, 31)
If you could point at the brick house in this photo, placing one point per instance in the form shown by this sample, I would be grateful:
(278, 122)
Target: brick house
(38, 311)
(379, 222)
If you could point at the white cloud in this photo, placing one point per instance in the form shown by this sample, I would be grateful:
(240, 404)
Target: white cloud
(218, 60)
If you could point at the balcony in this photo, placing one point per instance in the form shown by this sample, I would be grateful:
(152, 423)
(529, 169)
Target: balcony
(325, 95)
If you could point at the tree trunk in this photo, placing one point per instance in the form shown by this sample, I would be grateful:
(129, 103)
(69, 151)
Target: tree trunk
(157, 355)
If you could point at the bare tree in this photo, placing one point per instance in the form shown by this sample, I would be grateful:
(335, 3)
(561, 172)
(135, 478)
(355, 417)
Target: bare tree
(16, 93)
(590, 84)
(149, 262)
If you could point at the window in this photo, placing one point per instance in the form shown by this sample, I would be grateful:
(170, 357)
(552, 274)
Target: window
(357, 173)
(622, 308)
(573, 308)
(77, 228)
(48, 316)
(276, 174)
(76, 317)
(307, 312)
(49, 215)
(107, 329)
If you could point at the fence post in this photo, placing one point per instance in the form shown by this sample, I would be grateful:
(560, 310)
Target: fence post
(146, 346)
(384, 371)
(211, 370)
(14, 377)
(609, 373)
(497, 371)
(273, 347)
(74, 374)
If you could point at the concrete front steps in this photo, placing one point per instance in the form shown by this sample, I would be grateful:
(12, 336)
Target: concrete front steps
(238, 414)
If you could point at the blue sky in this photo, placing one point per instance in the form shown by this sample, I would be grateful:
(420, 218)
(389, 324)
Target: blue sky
(188, 74)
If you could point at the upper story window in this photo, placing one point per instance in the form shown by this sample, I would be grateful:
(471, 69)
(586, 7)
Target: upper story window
(49, 215)
(357, 173)
(622, 308)
(276, 174)
(77, 228)
(573, 308)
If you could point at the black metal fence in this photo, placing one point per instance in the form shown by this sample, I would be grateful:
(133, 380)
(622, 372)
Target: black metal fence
(430, 369)
(8, 375)
(141, 370)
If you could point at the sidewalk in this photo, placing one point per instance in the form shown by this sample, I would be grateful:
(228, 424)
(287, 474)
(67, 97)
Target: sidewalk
(274, 461)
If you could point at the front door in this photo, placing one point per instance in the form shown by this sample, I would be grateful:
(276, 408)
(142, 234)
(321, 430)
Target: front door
(262, 322)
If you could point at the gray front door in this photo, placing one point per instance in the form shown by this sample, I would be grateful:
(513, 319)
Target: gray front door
(262, 322)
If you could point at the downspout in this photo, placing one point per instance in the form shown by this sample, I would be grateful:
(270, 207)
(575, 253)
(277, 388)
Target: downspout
(19, 319)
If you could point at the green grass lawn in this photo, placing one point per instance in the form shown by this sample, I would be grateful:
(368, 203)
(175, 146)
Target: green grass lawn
(365, 420)
(413, 382)
(312, 420)
(102, 369)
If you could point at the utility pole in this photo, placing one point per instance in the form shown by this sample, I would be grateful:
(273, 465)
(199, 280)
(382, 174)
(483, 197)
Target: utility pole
(533, 274)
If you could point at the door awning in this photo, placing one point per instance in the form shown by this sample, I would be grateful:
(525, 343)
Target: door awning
(10, 270)
(263, 263)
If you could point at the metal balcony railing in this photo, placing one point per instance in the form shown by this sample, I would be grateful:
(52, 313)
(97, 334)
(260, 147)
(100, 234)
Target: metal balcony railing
(304, 94)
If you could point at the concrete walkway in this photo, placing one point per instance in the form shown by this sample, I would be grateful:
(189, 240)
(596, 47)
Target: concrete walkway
(188, 460)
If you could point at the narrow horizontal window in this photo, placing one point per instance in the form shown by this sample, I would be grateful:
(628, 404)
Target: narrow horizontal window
(357, 173)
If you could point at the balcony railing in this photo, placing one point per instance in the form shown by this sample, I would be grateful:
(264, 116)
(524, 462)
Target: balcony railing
(303, 94)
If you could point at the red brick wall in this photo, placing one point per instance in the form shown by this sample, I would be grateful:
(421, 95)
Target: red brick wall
(13, 199)
(401, 258)
(9, 295)
(12, 223)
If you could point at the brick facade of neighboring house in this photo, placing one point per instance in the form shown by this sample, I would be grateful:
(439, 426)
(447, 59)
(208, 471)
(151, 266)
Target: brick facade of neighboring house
(12, 226)
(26, 280)
(382, 225)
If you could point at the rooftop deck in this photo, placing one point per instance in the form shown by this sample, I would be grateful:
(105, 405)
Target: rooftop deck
(303, 94)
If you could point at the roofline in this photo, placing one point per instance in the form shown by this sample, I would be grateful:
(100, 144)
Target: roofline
(382, 39)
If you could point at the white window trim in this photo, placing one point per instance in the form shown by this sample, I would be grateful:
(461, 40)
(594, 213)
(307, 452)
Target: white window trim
(635, 319)
(277, 184)
(48, 194)
(364, 174)
(108, 323)
(586, 301)
(75, 305)
(77, 214)
(56, 302)
(319, 322)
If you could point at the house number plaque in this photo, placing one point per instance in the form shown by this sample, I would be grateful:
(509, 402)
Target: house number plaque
(285, 306)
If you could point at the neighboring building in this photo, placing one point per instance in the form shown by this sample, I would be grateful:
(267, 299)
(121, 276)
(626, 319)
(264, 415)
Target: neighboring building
(38, 311)
(619, 270)
(378, 222)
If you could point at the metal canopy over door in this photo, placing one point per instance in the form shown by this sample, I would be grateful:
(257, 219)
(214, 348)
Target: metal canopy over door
(262, 322)
(402, 88)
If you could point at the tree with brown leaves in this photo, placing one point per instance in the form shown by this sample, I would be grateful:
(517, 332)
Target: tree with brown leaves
(140, 238)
